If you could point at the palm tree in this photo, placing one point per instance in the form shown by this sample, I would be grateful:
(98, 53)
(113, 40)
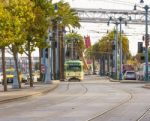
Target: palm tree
(106, 43)
(105, 47)
(68, 18)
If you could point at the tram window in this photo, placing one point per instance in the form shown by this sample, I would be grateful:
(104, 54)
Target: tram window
(74, 68)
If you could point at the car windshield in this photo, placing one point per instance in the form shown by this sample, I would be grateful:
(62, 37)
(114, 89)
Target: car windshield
(130, 73)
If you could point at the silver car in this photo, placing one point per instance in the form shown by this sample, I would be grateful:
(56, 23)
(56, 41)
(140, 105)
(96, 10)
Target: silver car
(130, 75)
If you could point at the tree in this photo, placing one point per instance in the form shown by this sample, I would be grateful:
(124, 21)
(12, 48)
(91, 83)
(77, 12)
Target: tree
(64, 17)
(105, 44)
(78, 46)
(37, 30)
(21, 12)
(104, 47)
(47, 8)
(78, 42)
(5, 36)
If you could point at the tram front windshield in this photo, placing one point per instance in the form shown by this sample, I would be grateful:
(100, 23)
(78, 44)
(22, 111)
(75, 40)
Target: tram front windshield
(74, 68)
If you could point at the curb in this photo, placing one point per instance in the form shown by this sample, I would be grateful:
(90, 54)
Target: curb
(30, 95)
(112, 80)
(147, 86)
(125, 81)
(131, 81)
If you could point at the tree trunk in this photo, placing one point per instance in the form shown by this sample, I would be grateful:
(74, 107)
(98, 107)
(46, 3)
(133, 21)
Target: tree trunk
(4, 70)
(40, 55)
(108, 65)
(61, 52)
(30, 65)
(54, 48)
(93, 65)
(16, 69)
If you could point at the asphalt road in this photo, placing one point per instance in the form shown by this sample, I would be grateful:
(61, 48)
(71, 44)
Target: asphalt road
(94, 99)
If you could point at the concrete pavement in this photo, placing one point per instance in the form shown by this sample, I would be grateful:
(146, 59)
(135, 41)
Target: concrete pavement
(26, 91)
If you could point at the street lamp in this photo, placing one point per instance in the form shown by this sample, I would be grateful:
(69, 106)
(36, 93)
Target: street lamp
(116, 50)
(146, 8)
(120, 74)
(117, 22)
(57, 41)
(48, 61)
(116, 44)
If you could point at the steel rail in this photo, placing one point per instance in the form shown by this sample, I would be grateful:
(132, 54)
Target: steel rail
(130, 96)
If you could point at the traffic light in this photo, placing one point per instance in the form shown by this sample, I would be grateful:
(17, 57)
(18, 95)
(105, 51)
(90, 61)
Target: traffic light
(50, 38)
(140, 47)
(68, 53)
(113, 46)
(142, 58)
(46, 52)
(54, 44)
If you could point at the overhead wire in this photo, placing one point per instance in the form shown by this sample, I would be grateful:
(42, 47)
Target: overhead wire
(114, 2)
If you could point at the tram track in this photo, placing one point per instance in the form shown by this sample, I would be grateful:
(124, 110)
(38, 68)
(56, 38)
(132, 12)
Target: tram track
(143, 115)
(70, 99)
(130, 97)
(85, 90)
(140, 118)
(127, 100)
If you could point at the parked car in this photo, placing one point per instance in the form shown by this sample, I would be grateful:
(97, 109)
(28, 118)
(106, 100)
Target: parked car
(130, 75)
(10, 75)
(25, 77)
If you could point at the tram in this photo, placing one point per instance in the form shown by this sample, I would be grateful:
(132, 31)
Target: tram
(74, 70)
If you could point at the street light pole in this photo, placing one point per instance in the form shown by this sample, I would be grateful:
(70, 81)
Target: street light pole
(48, 63)
(118, 21)
(146, 8)
(116, 45)
(57, 41)
(146, 41)
(116, 51)
(57, 52)
(120, 74)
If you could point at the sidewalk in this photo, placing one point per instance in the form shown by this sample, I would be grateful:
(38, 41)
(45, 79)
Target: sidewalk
(26, 91)
(147, 84)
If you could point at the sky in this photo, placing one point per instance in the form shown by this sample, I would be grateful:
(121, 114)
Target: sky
(97, 30)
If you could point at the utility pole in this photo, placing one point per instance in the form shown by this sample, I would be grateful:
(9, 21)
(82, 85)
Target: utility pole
(48, 62)
(146, 41)
(120, 75)
(116, 51)
(146, 8)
